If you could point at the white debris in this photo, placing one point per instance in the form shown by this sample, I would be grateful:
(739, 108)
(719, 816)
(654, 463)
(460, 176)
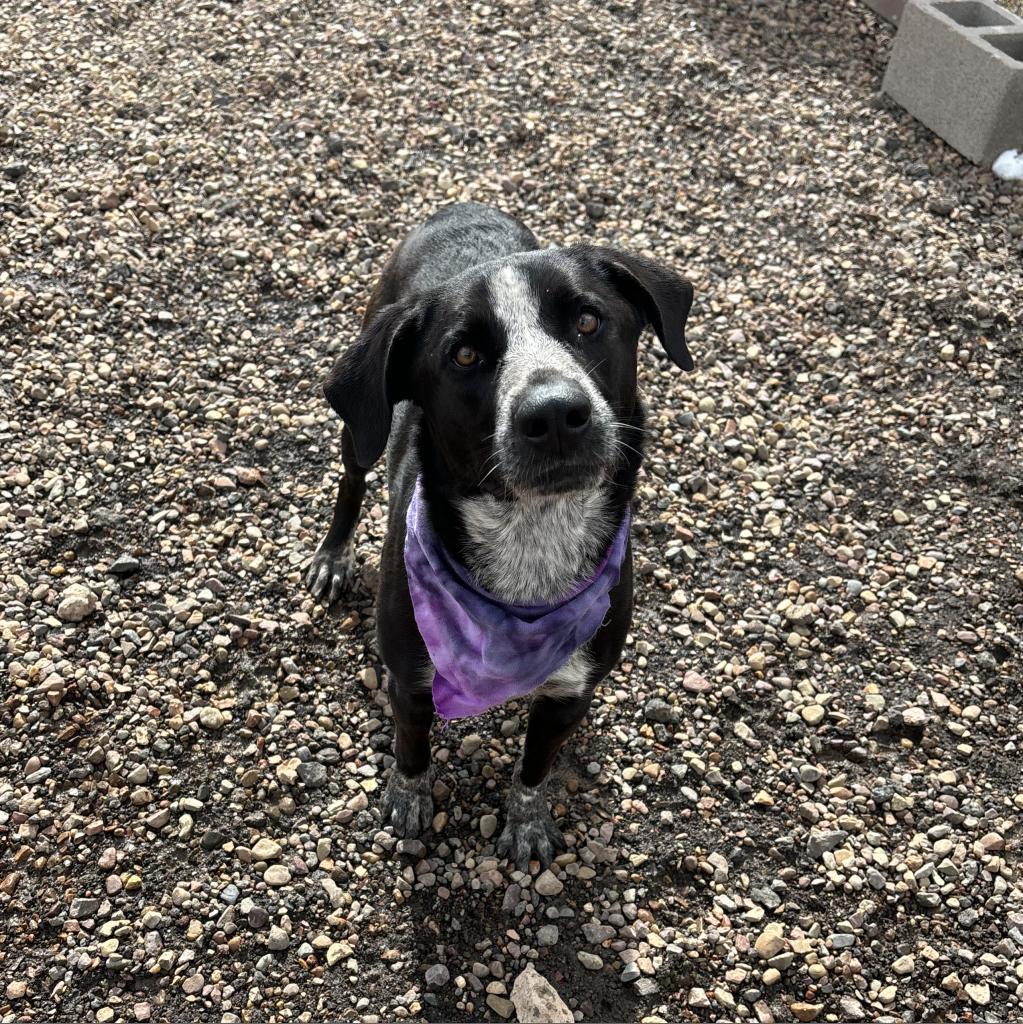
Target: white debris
(1009, 165)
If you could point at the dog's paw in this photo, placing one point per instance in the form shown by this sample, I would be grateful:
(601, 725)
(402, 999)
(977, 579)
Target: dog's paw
(529, 832)
(332, 572)
(407, 805)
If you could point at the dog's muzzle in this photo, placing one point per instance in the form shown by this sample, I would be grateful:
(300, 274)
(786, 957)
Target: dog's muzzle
(558, 441)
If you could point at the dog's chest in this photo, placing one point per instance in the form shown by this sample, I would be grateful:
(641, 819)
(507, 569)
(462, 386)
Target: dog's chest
(534, 552)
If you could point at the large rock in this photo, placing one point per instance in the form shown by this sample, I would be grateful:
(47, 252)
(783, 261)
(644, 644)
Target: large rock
(771, 941)
(76, 603)
(536, 1000)
(437, 977)
(83, 907)
(806, 1011)
(979, 993)
(904, 965)
(548, 884)
(211, 718)
(124, 565)
(277, 875)
(266, 849)
(823, 840)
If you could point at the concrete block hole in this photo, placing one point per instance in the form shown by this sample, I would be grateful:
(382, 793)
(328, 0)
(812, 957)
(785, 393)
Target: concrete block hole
(971, 14)
(1011, 46)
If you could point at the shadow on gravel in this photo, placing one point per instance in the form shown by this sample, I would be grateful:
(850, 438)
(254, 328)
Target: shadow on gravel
(776, 35)
(476, 921)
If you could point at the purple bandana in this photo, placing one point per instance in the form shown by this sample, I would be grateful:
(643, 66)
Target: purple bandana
(484, 650)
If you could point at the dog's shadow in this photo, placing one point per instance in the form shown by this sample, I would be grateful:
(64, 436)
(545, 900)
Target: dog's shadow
(476, 926)
(471, 924)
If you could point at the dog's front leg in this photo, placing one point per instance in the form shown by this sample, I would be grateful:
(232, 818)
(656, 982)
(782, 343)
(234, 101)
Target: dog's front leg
(333, 571)
(408, 798)
(529, 831)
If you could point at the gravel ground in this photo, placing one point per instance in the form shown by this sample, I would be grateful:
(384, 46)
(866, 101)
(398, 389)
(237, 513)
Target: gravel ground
(800, 795)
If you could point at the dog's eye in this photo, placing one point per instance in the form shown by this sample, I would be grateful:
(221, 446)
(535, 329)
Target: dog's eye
(465, 355)
(587, 323)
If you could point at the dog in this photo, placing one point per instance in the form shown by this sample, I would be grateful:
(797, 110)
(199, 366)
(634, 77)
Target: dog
(500, 377)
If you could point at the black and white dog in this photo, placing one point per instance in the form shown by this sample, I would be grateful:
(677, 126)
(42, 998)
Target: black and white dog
(501, 377)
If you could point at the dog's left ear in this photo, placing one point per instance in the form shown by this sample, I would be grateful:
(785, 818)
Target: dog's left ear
(660, 295)
(372, 376)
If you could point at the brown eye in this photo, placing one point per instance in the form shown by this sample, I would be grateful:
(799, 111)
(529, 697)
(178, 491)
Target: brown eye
(466, 356)
(587, 323)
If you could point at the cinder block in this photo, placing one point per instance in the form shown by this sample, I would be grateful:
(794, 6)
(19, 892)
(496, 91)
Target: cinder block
(957, 67)
(890, 10)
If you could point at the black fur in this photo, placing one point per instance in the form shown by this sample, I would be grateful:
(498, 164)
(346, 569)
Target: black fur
(397, 386)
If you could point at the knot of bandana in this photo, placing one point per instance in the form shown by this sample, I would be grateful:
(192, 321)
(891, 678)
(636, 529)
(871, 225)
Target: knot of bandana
(486, 651)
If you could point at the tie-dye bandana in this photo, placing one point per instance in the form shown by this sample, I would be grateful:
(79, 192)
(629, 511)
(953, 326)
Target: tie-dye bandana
(484, 650)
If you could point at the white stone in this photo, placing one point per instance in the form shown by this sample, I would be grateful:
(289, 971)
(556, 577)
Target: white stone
(76, 603)
(536, 1000)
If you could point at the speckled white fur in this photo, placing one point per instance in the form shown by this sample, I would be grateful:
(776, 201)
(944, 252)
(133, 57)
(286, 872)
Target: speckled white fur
(571, 679)
(534, 549)
(531, 351)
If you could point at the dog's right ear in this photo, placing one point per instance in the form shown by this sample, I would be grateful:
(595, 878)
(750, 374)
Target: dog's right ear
(372, 376)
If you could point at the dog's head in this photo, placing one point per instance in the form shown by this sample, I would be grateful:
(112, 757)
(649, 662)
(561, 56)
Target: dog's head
(525, 368)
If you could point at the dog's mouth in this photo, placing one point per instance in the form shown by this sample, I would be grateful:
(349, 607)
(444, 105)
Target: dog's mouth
(562, 480)
(544, 478)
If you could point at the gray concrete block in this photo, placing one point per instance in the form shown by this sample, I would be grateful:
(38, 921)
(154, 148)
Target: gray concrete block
(890, 10)
(957, 67)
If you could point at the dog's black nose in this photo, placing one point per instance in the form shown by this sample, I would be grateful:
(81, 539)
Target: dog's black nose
(554, 417)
